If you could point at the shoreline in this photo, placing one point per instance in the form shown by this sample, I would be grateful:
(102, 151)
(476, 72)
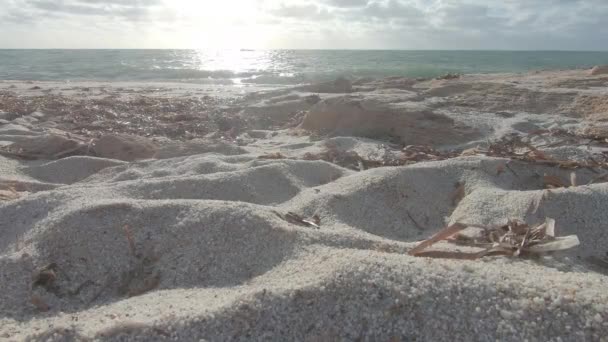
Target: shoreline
(196, 83)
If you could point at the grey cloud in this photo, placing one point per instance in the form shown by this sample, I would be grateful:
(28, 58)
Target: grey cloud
(133, 9)
(17, 16)
(481, 24)
(470, 16)
(123, 2)
(393, 9)
(347, 3)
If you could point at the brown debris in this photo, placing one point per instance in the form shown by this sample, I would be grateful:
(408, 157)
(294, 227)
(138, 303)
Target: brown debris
(449, 76)
(601, 178)
(441, 235)
(513, 148)
(420, 227)
(9, 194)
(12, 190)
(501, 168)
(141, 278)
(294, 218)
(130, 239)
(272, 156)
(552, 182)
(45, 277)
(513, 239)
(140, 114)
(459, 193)
(416, 153)
(49, 146)
(61, 144)
(123, 147)
(39, 303)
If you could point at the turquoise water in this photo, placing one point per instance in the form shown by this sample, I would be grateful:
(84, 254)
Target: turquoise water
(273, 66)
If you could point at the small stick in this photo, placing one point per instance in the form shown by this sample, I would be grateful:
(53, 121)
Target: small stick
(510, 169)
(130, 239)
(441, 235)
(415, 222)
(603, 176)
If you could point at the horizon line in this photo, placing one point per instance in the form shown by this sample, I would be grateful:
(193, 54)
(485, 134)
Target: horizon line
(315, 49)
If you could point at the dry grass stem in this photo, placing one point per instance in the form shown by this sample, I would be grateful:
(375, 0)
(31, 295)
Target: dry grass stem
(458, 194)
(130, 239)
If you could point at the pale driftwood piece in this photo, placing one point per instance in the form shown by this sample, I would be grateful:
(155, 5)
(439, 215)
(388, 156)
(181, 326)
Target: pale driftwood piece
(442, 235)
(559, 244)
(513, 239)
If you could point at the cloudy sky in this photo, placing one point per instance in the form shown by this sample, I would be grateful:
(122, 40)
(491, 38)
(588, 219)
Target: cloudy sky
(351, 24)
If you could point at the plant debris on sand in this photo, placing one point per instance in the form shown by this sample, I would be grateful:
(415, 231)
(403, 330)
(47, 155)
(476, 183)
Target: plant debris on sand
(11, 190)
(515, 238)
(294, 218)
(513, 147)
(174, 117)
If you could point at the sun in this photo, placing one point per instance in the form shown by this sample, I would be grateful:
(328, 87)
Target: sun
(220, 23)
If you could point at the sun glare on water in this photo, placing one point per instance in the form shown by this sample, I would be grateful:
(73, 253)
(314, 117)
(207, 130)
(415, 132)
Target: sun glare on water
(221, 23)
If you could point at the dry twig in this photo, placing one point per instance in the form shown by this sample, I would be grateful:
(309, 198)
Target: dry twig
(294, 218)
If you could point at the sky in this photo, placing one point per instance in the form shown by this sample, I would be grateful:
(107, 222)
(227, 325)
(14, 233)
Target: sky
(306, 24)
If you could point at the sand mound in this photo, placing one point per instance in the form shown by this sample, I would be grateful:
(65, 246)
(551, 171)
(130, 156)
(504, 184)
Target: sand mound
(352, 116)
(592, 107)
(49, 146)
(82, 167)
(124, 147)
(192, 247)
(202, 242)
(499, 97)
(57, 144)
(599, 70)
(502, 97)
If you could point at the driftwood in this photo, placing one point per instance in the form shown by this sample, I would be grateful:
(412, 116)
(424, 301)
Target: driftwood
(513, 239)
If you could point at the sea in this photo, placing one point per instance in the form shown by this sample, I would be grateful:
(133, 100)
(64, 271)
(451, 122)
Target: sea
(273, 67)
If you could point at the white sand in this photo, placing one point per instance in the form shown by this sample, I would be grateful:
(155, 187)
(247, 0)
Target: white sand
(213, 261)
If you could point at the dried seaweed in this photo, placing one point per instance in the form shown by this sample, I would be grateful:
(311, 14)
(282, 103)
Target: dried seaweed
(409, 155)
(449, 76)
(511, 147)
(11, 190)
(9, 194)
(291, 217)
(459, 193)
(39, 303)
(515, 148)
(417, 153)
(45, 277)
(175, 117)
(55, 145)
(130, 239)
(513, 239)
(601, 178)
(552, 182)
(276, 155)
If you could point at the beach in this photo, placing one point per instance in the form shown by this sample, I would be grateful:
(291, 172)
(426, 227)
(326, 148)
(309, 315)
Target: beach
(153, 211)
